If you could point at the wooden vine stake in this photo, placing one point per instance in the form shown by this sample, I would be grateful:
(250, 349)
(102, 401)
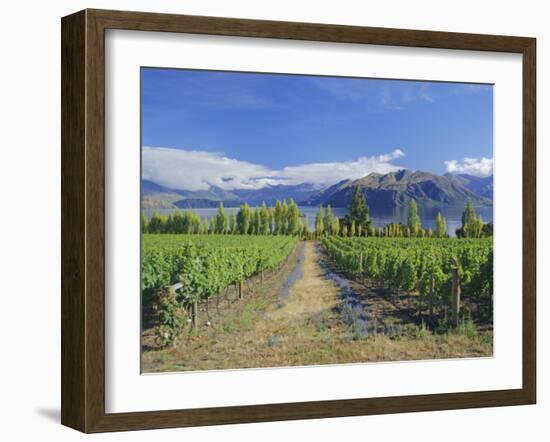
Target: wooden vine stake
(241, 283)
(432, 293)
(194, 316)
(455, 301)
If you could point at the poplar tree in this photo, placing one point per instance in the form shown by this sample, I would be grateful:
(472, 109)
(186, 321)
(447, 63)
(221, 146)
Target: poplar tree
(305, 228)
(222, 222)
(335, 228)
(178, 222)
(478, 227)
(233, 223)
(278, 218)
(413, 218)
(258, 221)
(440, 226)
(255, 222)
(265, 219)
(243, 219)
(271, 211)
(284, 227)
(352, 228)
(212, 225)
(144, 223)
(293, 218)
(319, 222)
(204, 226)
(472, 225)
(328, 220)
(156, 223)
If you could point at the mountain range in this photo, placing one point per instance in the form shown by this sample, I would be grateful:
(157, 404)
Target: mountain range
(382, 191)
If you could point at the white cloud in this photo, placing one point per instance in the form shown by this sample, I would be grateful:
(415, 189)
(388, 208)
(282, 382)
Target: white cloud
(197, 170)
(344, 88)
(472, 166)
(397, 153)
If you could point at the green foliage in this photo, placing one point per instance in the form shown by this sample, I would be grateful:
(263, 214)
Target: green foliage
(293, 216)
(265, 216)
(335, 228)
(157, 223)
(413, 219)
(205, 264)
(233, 223)
(319, 222)
(409, 263)
(408, 275)
(278, 219)
(328, 220)
(352, 228)
(222, 221)
(440, 226)
(472, 225)
(305, 234)
(243, 219)
(171, 317)
(144, 223)
(467, 328)
(284, 226)
(358, 210)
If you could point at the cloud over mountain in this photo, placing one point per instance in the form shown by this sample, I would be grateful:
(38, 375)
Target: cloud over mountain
(198, 170)
(472, 166)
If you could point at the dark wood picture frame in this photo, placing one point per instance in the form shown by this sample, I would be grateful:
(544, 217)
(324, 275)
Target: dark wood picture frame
(83, 220)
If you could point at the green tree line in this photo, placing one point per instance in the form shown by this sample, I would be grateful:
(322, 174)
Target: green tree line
(284, 219)
(281, 219)
(357, 223)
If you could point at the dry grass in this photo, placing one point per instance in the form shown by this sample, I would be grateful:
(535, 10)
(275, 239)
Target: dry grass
(306, 330)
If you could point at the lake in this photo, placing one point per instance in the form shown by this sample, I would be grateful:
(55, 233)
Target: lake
(379, 218)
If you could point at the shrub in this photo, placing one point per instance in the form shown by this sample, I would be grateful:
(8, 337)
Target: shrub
(171, 318)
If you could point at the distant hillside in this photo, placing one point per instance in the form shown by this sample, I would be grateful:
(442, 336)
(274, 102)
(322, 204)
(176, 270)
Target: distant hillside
(204, 203)
(483, 186)
(396, 189)
(270, 194)
(393, 189)
(157, 196)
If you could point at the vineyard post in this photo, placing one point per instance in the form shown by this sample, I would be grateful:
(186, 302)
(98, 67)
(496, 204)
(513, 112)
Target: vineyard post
(455, 302)
(432, 290)
(420, 299)
(194, 315)
(241, 283)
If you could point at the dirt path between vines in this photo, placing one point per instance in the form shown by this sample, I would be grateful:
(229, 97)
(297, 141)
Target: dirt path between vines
(311, 295)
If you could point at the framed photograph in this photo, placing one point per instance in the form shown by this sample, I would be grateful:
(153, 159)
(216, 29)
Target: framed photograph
(269, 220)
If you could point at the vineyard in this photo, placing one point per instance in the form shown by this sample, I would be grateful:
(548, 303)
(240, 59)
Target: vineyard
(202, 266)
(420, 265)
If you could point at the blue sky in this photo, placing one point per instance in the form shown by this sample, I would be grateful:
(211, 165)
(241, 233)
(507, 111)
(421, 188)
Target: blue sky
(252, 129)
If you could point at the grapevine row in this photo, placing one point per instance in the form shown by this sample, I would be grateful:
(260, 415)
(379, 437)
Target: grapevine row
(205, 265)
(411, 264)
